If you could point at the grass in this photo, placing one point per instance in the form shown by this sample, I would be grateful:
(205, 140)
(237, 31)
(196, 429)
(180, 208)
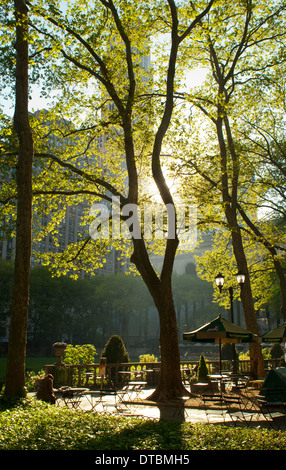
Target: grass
(33, 425)
(32, 363)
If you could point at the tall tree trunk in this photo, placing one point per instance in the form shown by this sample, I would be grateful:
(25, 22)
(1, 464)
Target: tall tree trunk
(170, 382)
(229, 198)
(257, 361)
(15, 376)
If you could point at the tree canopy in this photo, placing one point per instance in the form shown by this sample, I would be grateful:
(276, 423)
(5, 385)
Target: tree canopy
(119, 123)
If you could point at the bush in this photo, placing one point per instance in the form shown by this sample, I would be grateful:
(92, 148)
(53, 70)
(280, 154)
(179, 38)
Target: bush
(115, 351)
(276, 352)
(203, 371)
(80, 354)
(32, 380)
(148, 358)
(34, 425)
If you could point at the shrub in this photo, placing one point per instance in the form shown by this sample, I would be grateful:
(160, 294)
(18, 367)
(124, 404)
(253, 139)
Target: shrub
(148, 358)
(202, 370)
(244, 356)
(276, 352)
(80, 354)
(115, 351)
(32, 380)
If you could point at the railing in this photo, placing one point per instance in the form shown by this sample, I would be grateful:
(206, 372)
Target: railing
(88, 374)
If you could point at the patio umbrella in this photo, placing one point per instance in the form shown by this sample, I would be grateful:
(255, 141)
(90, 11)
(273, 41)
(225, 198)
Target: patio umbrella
(220, 331)
(277, 335)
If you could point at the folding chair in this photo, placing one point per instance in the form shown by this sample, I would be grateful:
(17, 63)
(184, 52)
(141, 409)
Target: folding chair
(177, 407)
(240, 384)
(238, 410)
(123, 396)
(72, 399)
(272, 407)
(214, 408)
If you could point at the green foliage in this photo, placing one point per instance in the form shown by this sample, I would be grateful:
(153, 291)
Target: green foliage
(115, 351)
(276, 351)
(203, 371)
(148, 358)
(80, 354)
(34, 425)
(80, 308)
(32, 379)
(244, 356)
(266, 353)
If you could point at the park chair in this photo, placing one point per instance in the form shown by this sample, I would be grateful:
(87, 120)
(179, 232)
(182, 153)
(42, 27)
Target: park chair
(273, 407)
(214, 407)
(240, 384)
(239, 410)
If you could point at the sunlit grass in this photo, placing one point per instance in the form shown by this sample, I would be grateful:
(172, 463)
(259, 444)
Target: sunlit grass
(33, 425)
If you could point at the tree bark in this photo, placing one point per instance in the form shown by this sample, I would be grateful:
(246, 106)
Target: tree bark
(257, 361)
(230, 206)
(15, 376)
(170, 382)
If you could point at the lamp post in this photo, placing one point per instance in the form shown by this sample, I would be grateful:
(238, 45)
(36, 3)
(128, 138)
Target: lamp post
(219, 279)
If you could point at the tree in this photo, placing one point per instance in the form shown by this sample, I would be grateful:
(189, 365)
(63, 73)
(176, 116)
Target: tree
(15, 377)
(265, 136)
(203, 371)
(115, 351)
(82, 37)
(230, 49)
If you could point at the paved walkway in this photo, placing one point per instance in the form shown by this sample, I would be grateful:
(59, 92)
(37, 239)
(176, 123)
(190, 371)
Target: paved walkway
(190, 414)
(135, 408)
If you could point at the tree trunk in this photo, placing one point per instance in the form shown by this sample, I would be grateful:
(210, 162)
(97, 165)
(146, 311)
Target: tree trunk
(15, 376)
(230, 208)
(257, 361)
(170, 382)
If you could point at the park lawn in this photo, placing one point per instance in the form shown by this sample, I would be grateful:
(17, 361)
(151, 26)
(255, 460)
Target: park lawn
(33, 425)
(32, 364)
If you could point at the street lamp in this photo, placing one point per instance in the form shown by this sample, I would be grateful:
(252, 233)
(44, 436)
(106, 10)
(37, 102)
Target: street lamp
(219, 279)
(240, 278)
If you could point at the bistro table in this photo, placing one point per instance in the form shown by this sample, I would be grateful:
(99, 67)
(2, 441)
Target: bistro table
(136, 373)
(97, 397)
(135, 387)
(130, 391)
(256, 383)
(71, 396)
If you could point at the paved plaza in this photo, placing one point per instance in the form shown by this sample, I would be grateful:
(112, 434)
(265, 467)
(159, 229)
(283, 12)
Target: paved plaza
(138, 406)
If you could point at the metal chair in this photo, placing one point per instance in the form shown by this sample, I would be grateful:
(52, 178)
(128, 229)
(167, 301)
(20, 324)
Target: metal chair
(214, 407)
(273, 407)
(238, 409)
